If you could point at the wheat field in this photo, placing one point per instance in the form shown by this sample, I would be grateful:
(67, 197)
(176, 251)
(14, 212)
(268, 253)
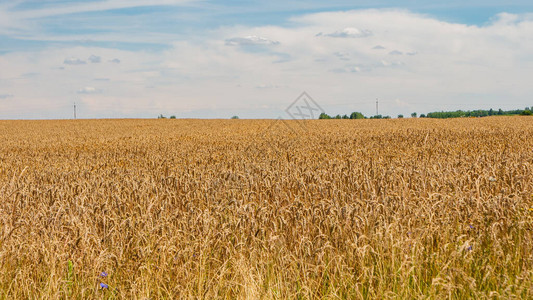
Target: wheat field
(265, 209)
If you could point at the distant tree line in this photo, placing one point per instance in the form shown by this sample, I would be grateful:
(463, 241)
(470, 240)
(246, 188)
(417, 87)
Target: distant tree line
(440, 115)
(353, 116)
(478, 113)
(435, 115)
(163, 117)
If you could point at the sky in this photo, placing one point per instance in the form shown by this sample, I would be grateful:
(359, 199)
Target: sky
(216, 59)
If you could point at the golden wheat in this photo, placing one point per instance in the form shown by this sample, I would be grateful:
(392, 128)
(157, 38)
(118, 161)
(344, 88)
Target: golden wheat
(267, 209)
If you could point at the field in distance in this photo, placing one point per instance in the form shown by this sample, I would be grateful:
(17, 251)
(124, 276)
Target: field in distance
(358, 209)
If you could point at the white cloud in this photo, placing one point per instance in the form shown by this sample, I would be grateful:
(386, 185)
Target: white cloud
(251, 40)
(88, 90)
(94, 6)
(5, 96)
(115, 61)
(378, 47)
(342, 55)
(14, 20)
(349, 32)
(386, 63)
(95, 59)
(269, 86)
(401, 103)
(74, 61)
(396, 52)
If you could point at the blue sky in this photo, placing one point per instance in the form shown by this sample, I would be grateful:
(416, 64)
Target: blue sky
(214, 59)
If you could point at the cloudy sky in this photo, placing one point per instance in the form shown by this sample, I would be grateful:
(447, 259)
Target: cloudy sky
(215, 59)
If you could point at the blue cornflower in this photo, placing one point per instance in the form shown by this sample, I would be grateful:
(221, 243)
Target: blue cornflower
(103, 285)
(471, 227)
(469, 248)
(103, 274)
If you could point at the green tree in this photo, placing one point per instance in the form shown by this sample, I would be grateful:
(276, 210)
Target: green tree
(357, 115)
(400, 116)
(413, 115)
(380, 117)
(235, 117)
(173, 117)
(324, 116)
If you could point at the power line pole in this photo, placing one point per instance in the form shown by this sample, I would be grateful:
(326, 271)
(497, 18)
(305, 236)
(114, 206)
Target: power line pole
(377, 107)
(74, 110)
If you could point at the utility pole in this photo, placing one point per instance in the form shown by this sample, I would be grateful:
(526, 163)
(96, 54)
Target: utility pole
(74, 110)
(377, 107)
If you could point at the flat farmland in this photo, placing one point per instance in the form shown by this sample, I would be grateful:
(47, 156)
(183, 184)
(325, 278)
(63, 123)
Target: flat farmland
(265, 209)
